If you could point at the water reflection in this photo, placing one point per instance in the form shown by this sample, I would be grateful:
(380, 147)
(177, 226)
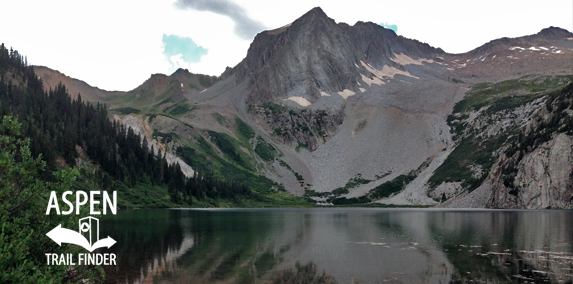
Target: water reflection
(348, 245)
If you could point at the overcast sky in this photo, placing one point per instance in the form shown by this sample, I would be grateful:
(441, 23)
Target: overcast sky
(118, 44)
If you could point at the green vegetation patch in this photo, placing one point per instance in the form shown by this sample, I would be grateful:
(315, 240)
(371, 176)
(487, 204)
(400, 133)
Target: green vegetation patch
(301, 146)
(218, 117)
(195, 159)
(510, 93)
(165, 101)
(275, 107)
(384, 190)
(388, 188)
(470, 151)
(265, 150)
(178, 109)
(297, 175)
(244, 129)
(127, 110)
(225, 143)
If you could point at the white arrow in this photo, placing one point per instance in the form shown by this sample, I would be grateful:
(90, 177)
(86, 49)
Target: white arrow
(62, 235)
(107, 242)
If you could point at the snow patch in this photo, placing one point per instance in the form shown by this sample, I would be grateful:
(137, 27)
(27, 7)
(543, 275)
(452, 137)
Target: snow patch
(346, 93)
(300, 100)
(391, 72)
(557, 51)
(362, 90)
(544, 48)
(405, 60)
(386, 71)
(324, 94)
(534, 48)
(516, 47)
(374, 80)
(370, 243)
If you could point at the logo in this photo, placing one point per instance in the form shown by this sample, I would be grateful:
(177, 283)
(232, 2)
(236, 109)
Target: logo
(62, 235)
(88, 235)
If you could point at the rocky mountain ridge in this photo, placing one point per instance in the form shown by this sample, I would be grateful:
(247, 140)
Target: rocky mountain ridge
(355, 114)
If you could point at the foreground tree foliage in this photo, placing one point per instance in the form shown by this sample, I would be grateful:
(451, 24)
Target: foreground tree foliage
(23, 199)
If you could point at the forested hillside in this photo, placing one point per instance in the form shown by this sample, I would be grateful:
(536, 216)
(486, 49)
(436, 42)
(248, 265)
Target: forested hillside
(69, 132)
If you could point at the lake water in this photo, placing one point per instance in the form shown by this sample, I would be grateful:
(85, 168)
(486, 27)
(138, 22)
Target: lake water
(340, 246)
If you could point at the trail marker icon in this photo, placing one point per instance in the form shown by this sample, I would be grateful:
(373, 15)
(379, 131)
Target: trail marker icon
(86, 228)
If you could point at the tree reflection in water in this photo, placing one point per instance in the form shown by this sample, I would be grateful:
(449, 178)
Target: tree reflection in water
(340, 245)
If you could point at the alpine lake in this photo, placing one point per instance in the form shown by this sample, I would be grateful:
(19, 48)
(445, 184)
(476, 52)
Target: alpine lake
(340, 245)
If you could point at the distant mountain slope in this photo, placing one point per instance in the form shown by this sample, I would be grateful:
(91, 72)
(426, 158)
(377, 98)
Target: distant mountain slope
(354, 114)
(51, 79)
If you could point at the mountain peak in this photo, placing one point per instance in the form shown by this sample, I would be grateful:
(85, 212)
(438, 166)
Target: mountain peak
(181, 71)
(314, 18)
(315, 12)
(554, 32)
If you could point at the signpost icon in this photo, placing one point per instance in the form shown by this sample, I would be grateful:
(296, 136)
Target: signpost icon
(87, 229)
(86, 237)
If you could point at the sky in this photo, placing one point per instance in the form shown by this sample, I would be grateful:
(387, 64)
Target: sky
(118, 44)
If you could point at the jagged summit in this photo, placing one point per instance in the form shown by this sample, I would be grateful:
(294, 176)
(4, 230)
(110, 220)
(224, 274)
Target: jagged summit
(314, 56)
(315, 12)
(311, 55)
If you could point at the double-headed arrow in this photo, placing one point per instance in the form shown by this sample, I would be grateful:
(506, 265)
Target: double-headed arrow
(62, 235)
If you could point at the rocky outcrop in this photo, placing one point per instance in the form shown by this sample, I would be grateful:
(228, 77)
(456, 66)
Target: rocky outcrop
(142, 128)
(303, 128)
(543, 179)
(446, 191)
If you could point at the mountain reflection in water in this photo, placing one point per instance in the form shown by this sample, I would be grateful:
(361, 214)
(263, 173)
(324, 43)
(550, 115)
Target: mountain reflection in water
(339, 246)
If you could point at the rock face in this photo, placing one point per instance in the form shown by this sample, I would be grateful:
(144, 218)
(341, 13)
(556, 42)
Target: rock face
(314, 54)
(544, 178)
(302, 128)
